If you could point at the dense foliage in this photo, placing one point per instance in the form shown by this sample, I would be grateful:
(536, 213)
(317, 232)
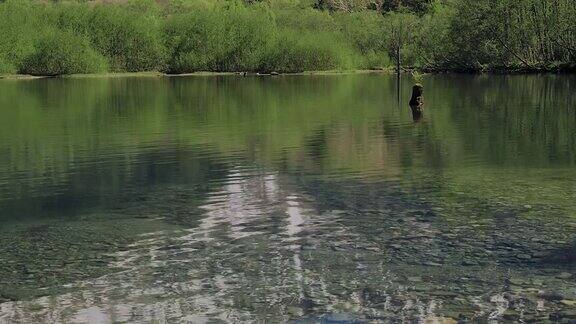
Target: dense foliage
(181, 36)
(59, 53)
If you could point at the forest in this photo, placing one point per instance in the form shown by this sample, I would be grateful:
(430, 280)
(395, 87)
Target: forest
(285, 36)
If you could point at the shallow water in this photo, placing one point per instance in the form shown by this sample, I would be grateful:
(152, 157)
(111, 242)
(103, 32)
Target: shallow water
(290, 198)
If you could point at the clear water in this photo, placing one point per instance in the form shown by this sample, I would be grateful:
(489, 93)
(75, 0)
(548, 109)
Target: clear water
(291, 198)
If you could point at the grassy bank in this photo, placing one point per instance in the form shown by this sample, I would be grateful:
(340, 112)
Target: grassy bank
(292, 36)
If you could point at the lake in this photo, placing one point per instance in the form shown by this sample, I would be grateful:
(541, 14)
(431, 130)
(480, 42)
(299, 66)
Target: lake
(314, 198)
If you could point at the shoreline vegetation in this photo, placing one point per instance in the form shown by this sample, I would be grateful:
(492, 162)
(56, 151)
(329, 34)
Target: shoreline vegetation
(154, 74)
(389, 71)
(179, 37)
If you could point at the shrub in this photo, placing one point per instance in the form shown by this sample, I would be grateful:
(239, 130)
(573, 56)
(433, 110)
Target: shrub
(433, 46)
(365, 31)
(298, 52)
(178, 7)
(231, 38)
(5, 66)
(130, 39)
(58, 53)
(20, 22)
(307, 40)
(306, 20)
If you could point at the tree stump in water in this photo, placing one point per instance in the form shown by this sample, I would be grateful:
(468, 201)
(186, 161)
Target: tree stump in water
(417, 91)
(417, 101)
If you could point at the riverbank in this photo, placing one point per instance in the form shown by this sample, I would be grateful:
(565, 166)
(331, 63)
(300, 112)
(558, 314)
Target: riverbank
(559, 70)
(194, 74)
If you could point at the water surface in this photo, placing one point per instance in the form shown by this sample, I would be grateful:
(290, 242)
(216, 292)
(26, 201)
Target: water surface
(290, 198)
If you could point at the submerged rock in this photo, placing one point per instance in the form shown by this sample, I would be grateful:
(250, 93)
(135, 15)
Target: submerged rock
(565, 275)
(523, 256)
(567, 302)
(550, 295)
(510, 315)
(307, 304)
(469, 262)
(564, 314)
